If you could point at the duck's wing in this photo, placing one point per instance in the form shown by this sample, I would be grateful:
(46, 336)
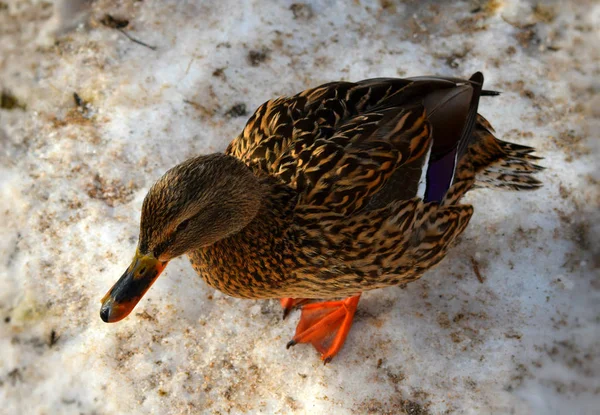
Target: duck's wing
(338, 144)
(343, 171)
(270, 131)
(285, 126)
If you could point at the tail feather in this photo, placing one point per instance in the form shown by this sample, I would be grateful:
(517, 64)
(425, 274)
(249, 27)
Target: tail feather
(515, 165)
(515, 149)
(494, 163)
(503, 165)
(488, 93)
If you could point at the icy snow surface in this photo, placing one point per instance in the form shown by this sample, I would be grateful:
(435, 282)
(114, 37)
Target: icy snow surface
(524, 339)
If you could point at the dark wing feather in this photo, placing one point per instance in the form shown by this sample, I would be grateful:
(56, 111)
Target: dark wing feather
(343, 171)
(290, 124)
(452, 113)
(340, 143)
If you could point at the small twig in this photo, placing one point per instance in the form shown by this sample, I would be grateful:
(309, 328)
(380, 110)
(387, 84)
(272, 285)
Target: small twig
(134, 40)
(476, 269)
(120, 24)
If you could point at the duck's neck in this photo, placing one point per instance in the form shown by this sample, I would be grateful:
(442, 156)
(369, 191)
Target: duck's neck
(272, 202)
(248, 263)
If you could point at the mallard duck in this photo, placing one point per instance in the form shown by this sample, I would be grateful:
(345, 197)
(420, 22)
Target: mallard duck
(342, 188)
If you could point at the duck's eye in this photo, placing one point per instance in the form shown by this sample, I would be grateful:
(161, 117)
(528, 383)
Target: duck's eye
(182, 225)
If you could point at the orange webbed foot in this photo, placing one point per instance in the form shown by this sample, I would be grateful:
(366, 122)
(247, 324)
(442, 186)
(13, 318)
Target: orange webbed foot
(326, 325)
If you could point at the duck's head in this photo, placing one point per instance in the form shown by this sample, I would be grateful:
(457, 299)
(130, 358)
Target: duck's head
(193, 205)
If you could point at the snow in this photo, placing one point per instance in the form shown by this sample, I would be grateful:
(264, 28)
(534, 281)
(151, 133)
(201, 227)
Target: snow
(524, 340)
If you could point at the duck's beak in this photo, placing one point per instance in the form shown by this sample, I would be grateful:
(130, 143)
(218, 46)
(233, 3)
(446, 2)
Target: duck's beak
(131, 287)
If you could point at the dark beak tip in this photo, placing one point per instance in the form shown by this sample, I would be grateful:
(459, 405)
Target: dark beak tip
(122, 298)
(105, 314)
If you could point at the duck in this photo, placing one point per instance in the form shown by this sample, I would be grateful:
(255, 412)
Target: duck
(340, 189)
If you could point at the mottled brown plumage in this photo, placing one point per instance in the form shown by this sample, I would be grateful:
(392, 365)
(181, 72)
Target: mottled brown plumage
(340, 189)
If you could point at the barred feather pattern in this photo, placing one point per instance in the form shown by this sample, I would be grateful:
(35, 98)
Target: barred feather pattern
(500, 164)
(375, 249)
(333, 144)
(323, 155)
(325, 254)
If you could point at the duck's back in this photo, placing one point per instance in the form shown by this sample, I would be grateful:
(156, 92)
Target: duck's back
(349, 146)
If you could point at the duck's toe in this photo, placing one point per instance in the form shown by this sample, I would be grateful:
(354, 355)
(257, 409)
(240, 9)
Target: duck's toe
(290, 304)
(326, 325)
